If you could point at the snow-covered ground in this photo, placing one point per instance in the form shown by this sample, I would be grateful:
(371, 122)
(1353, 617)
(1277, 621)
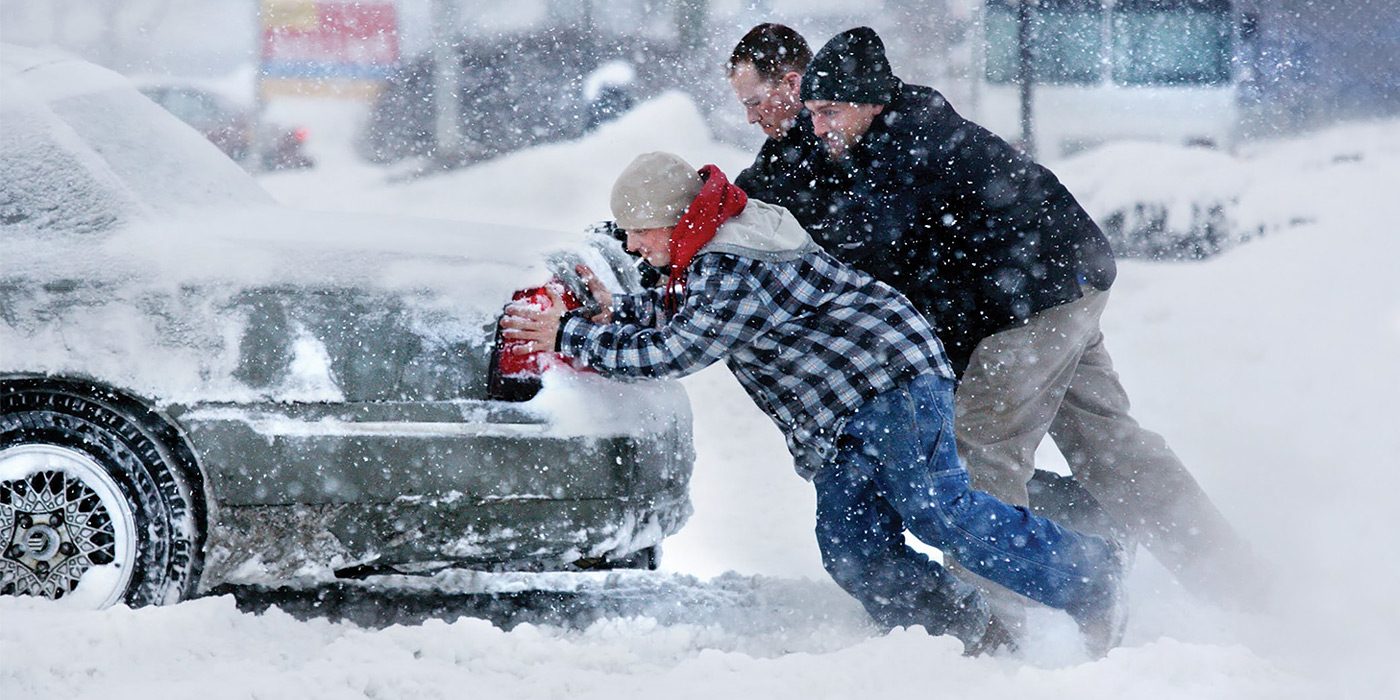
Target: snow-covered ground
(1273, 370)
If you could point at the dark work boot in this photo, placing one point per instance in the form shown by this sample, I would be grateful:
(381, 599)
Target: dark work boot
(1104, 615)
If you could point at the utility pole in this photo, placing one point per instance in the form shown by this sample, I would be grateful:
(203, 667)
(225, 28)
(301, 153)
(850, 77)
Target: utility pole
(447, 83)
(1025, 73)
(690, 23)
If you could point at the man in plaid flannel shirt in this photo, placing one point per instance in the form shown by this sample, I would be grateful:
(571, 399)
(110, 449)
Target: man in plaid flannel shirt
(859, 385)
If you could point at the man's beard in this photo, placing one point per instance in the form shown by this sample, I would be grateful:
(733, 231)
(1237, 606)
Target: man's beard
(840, 151)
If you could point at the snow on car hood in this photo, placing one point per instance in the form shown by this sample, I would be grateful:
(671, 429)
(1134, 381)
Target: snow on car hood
(147, 306)
(271, 245)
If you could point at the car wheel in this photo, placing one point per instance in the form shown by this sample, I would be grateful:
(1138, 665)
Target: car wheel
(94, 507)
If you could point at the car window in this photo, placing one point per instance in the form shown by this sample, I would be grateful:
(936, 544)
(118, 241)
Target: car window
(83, 151)
(50, 180)
(164, 162)
(194, 108)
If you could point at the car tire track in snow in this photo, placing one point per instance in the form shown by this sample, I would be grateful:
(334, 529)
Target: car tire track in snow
(742, 606)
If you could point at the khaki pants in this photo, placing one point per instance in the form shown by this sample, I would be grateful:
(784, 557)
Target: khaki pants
(1054, 375)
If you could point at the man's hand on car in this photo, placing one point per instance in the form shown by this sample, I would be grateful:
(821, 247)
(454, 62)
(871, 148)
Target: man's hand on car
(537, 327)
(600, 295)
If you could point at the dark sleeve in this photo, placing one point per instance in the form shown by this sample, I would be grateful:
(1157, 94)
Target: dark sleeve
(875, 223)
(750, 179)
(1028, 214)
(642, 309)
(756, 179)
(1012, 192)
(795, 174)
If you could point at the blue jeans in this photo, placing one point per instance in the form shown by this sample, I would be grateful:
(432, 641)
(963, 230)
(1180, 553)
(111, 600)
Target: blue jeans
(897, 468)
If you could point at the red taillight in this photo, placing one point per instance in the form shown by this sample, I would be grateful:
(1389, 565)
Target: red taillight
(301, 133)
(517, 377)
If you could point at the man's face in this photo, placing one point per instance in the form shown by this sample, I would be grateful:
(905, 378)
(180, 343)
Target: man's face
(653, 244)
(841, 124)
(773, 105)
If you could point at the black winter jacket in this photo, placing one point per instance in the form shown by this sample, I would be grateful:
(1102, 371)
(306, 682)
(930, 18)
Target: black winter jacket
(976, 234)
(796, 173)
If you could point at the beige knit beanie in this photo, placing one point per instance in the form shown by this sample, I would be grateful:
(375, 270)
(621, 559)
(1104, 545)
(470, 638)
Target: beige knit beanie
(654, 191)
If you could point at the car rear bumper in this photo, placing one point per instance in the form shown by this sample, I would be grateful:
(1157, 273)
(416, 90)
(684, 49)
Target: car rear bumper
(472, 483)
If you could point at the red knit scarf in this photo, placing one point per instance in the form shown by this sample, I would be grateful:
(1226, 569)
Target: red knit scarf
(718, 200)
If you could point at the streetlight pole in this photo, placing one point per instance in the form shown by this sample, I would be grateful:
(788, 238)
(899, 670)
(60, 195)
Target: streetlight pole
(447, 84)
(1025, 73)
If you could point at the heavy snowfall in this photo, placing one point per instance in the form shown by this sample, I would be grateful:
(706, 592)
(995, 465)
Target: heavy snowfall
(1272, 369)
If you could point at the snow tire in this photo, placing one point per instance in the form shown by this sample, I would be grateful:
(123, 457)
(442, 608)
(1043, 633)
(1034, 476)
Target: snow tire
(92, 479)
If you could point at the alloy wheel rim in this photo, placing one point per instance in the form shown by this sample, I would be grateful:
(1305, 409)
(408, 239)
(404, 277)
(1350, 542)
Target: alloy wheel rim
(61, 516)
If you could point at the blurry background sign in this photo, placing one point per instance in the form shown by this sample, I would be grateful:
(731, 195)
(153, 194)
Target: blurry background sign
(327, 45)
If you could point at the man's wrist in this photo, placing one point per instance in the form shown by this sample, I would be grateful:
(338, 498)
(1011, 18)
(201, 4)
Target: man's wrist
(563, 321)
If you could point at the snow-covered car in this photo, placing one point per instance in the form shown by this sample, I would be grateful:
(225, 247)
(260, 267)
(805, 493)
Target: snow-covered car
(199, 386)
(519, 90)
(237, 131)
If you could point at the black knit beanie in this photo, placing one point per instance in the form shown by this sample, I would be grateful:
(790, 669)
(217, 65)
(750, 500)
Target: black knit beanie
(851, 68)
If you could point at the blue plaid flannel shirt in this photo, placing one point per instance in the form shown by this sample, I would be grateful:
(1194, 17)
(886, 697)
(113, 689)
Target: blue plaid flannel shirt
(810, 339)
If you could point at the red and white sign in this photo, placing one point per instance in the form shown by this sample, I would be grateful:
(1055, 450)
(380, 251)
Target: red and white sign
(329, 38)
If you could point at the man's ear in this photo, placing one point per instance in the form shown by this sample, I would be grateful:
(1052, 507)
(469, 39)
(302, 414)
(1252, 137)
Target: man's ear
(792, 80)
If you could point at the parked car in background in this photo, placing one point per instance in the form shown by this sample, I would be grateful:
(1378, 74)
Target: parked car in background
(235, 130)
(518, 91)
(199, 386)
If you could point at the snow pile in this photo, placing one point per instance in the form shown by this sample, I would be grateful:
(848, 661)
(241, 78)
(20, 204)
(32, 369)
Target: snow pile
(1274, 371)
(613, 407)
(612, 74)
(1187, 216)
(1171, 202)
(561, 186)
(207, 648)
(61, 115)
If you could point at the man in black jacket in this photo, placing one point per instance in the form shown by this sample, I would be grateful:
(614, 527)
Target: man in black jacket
(792, 170)
(1014, 275)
